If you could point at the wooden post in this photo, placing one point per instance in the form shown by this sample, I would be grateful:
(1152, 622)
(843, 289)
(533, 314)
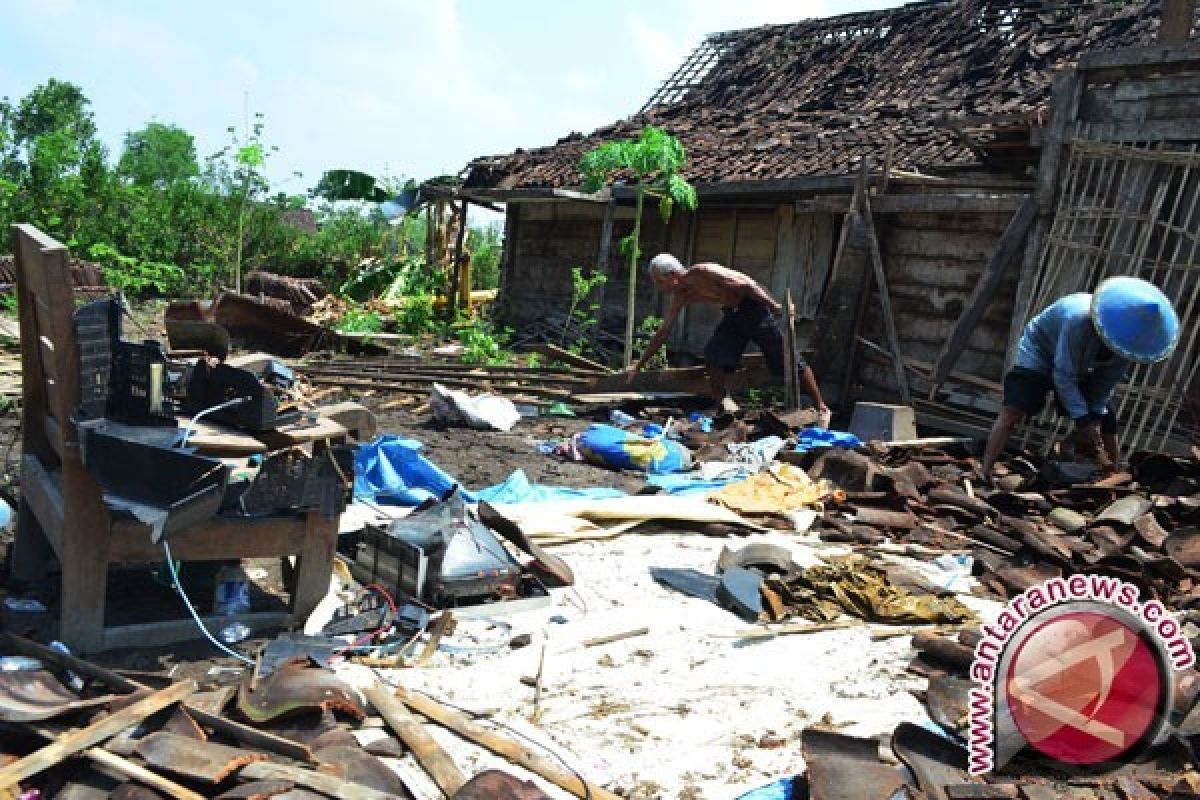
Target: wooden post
(885, 302)
(864, 287)
(602, 251)
(428, 752)
(791, 382)
(1068, 89)
(1175, 23)
(456, 273)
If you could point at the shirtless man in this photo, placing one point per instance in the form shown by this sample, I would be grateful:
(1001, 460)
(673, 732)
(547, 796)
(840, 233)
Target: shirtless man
(749, 317)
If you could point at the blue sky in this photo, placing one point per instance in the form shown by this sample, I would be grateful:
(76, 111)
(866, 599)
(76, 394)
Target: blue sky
(405, 88)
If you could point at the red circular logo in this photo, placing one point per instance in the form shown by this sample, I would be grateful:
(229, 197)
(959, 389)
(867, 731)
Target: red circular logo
(1084, 687)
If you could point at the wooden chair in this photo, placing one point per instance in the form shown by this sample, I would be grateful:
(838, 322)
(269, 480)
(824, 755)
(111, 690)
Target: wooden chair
(62, 512)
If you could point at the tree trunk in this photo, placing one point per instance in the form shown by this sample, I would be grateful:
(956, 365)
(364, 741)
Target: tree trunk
(633, 259)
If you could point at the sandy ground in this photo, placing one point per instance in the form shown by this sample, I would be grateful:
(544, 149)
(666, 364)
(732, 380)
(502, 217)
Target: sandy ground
(688, 710)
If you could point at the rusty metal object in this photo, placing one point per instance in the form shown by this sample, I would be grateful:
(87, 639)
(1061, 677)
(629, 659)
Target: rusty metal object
(934, 760)
(296, 687)
(846, 767)
(29, 695)
(204, 761)
(493, 784)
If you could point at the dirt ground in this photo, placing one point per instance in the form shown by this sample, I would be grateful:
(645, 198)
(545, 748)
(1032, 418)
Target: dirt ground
(484, 458)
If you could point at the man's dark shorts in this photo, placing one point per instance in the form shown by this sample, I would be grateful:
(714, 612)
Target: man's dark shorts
(749, 322)
(1026, 389)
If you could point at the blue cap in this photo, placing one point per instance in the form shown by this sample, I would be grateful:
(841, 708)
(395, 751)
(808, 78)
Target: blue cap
(1135, 319)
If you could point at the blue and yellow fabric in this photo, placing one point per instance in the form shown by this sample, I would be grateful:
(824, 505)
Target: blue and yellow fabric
(608, 446)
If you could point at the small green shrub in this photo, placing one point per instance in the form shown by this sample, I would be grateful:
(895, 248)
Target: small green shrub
(359, 320)
(484, 345)
(416, 316)
(645, 332)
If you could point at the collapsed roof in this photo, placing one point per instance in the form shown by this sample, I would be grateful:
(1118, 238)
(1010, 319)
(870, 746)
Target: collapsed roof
(938, 81)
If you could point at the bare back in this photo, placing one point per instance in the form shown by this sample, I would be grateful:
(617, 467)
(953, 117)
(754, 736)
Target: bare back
(716, 285)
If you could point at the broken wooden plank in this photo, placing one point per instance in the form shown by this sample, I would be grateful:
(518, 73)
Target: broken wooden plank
(137, 772)
(615, 637)
(1006, 254)
(427, 751)
(686, 380)
(204, 761)
(556, 353)
(327, 784)
(947, 203)
(82, 738)
(511, 749)
(791, 380)
(394, 385)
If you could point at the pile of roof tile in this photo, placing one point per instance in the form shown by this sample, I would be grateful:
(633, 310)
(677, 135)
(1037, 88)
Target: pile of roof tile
(1142, 526)
(815, 97)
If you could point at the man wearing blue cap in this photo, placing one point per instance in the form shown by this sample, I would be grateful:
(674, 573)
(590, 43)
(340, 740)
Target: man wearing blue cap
(1080, 347)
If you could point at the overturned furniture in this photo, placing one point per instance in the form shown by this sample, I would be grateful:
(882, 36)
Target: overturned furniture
(64, 512)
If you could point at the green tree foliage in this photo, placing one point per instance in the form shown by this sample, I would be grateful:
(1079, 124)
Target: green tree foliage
(159, 156)
(162, 222)
(652, 162)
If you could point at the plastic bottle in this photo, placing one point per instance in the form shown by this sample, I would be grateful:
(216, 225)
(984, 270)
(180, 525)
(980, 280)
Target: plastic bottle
(232, 595)
(73, 680)
(620, 418)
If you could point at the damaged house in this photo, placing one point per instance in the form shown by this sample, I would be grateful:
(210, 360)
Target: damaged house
(949, 116)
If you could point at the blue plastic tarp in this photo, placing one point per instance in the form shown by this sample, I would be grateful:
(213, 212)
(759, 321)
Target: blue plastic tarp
(812, 438)
(689, 484)
(516, 488)
(779, 790)
(391, 469)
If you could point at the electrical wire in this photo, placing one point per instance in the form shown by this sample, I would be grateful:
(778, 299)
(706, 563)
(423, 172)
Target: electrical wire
(192, 609)
(187, 431)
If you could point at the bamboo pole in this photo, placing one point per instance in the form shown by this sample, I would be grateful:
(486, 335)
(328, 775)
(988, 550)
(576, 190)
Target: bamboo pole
(140, 774)
(428, 752)
(514, 751)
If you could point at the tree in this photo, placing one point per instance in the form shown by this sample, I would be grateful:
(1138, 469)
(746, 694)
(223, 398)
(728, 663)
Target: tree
(653, 161)
(158, 156)
(53, 171)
